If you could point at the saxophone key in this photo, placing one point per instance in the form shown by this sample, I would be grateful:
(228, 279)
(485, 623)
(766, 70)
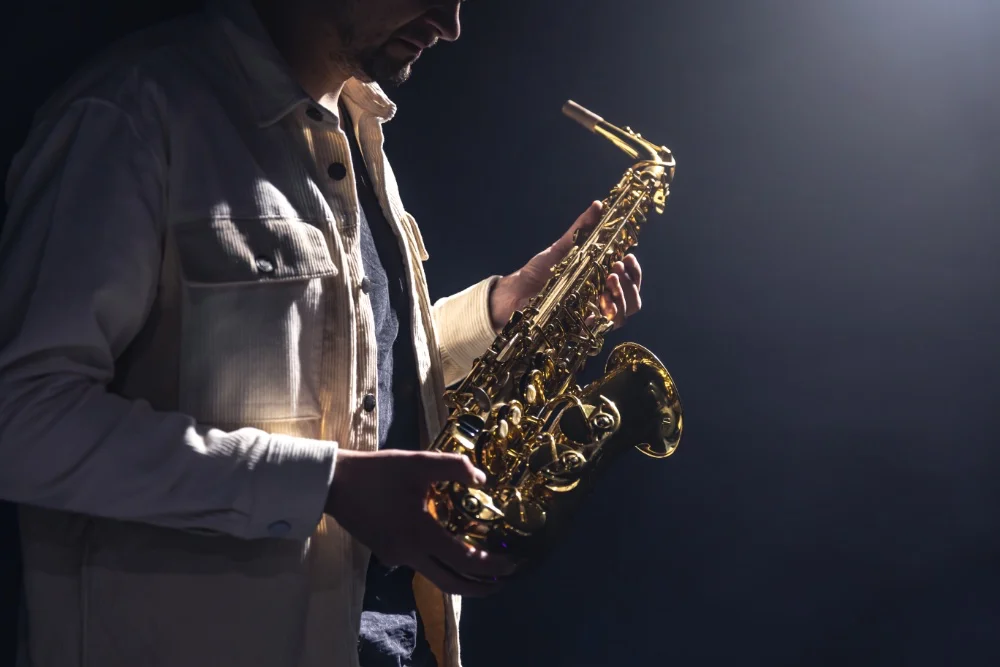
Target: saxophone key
(465, 431)
(476, 504)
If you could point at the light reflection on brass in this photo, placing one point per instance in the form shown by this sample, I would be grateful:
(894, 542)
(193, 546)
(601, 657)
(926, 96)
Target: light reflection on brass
(519, 414)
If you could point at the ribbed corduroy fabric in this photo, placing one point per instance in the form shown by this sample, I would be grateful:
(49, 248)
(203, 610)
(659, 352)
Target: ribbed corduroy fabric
(186, 345)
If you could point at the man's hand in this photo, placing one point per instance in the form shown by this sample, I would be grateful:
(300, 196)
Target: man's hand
(378, 497)
(621, 292)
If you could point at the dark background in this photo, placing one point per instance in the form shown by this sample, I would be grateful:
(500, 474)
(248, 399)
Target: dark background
(823, 288)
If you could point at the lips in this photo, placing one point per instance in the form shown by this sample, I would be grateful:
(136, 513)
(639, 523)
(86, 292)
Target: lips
(421, 39)
(420, 46)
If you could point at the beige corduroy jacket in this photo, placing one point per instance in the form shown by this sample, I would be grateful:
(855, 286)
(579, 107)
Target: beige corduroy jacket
(184, 348)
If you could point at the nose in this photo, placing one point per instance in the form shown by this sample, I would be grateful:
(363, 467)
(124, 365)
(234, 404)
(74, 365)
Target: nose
(445, 19)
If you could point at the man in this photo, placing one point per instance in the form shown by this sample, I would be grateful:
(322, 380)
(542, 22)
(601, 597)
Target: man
(218, 358)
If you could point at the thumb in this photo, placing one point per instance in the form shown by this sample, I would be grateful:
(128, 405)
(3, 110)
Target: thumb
(583, 224)
(443, 467)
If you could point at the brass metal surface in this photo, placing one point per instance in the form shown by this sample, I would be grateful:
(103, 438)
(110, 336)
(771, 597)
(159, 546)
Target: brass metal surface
(520, 415)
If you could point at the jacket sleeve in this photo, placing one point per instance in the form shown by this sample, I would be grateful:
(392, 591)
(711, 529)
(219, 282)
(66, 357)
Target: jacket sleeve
(464, 329)
(80, 255)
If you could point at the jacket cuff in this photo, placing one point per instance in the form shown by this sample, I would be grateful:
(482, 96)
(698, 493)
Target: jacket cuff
(290, 488)
(464, 324)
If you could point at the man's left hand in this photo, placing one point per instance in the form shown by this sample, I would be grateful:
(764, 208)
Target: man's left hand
(619, 301)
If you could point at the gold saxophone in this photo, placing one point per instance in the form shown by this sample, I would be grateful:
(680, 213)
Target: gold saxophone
(518, 415)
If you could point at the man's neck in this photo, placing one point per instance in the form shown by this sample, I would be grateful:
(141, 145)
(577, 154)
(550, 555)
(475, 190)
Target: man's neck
(296, 41)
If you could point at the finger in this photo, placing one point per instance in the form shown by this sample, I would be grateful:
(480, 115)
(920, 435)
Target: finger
(445, 467)
(619, 290)
(633, 302)
(451, 582)
(590, 216)
(632, 298)
(634, 270)
(618, 268)
(608, 307)
(613, 288)
(584, 222)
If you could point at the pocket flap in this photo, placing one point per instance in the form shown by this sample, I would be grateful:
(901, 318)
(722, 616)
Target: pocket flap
(243, 251)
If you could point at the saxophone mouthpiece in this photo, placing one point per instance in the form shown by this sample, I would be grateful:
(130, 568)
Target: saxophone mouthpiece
(588, 119)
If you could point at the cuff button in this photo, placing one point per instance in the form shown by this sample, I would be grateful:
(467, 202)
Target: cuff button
(279, 529)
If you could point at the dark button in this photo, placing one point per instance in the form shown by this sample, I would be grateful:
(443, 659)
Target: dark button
(366, 285)
(369, 402)
(314, 113)
(264, 265)
(279, 529)
(337, 171)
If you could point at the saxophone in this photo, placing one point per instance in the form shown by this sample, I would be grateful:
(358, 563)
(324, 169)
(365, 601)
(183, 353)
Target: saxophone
(519, 415)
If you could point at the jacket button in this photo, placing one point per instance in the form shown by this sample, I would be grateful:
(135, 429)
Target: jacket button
(366, 285)
(337, 171)
(264, 265)
(369, 402)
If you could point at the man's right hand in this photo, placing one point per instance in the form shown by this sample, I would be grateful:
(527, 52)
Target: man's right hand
(379, 498)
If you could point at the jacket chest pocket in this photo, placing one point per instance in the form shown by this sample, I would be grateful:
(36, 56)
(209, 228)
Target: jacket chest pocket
(253, 313)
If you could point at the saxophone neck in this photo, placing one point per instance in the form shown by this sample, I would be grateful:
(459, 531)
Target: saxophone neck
(632, 143)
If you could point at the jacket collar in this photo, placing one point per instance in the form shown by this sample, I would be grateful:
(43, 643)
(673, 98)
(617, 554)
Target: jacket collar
(273, 91)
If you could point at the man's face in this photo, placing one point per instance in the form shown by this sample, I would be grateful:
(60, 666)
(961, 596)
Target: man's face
(380, 39)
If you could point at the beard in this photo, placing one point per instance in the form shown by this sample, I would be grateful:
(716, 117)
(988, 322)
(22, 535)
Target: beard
(378, 66)
(366, 57)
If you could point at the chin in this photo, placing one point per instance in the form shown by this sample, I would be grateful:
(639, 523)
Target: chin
(393, 78)
(386, 72)
(396, 79)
